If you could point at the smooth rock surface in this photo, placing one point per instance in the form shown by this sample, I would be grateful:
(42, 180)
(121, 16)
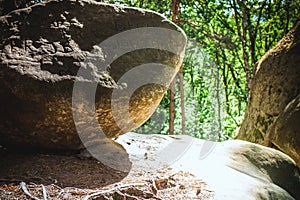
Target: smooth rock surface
(44, 47)
(233, 169)
(276, 84)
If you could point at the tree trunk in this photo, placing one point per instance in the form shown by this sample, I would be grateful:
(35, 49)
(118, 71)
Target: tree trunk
(175, 13)
(172, 107)
(182, 100)
(219, 105)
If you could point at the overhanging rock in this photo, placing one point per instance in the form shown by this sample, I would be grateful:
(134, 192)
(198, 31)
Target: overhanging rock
(121, 59)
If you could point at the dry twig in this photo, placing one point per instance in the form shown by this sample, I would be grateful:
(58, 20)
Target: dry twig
(129, 191)
(25, 190)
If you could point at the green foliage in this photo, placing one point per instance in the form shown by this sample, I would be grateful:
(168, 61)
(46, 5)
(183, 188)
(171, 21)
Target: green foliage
(230, 37)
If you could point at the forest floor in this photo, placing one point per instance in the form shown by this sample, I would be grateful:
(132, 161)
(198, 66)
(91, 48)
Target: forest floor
(27, 175)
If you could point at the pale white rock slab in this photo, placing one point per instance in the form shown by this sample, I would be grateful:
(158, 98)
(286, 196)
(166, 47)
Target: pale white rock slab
(233, 169)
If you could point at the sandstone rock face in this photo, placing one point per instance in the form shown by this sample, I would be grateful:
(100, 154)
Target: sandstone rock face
(233, 170)
(284, 132)
(48, 47)
(271, 116)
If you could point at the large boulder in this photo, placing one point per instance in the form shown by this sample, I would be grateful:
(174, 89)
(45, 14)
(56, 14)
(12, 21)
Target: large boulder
(232, 169)
(272, 116)
(48, 47)
(284, 132)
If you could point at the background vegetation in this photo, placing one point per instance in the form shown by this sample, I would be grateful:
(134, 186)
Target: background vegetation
(226, 39)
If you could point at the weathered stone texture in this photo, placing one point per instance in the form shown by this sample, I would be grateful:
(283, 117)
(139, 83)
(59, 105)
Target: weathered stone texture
(272, 117)
(41, 50)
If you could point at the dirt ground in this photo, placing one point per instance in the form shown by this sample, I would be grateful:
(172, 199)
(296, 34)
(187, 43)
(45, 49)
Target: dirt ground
(36, 175)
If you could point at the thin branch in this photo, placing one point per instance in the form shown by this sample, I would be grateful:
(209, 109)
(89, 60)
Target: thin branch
(44, 192)
(25, 190)
(118, 190)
